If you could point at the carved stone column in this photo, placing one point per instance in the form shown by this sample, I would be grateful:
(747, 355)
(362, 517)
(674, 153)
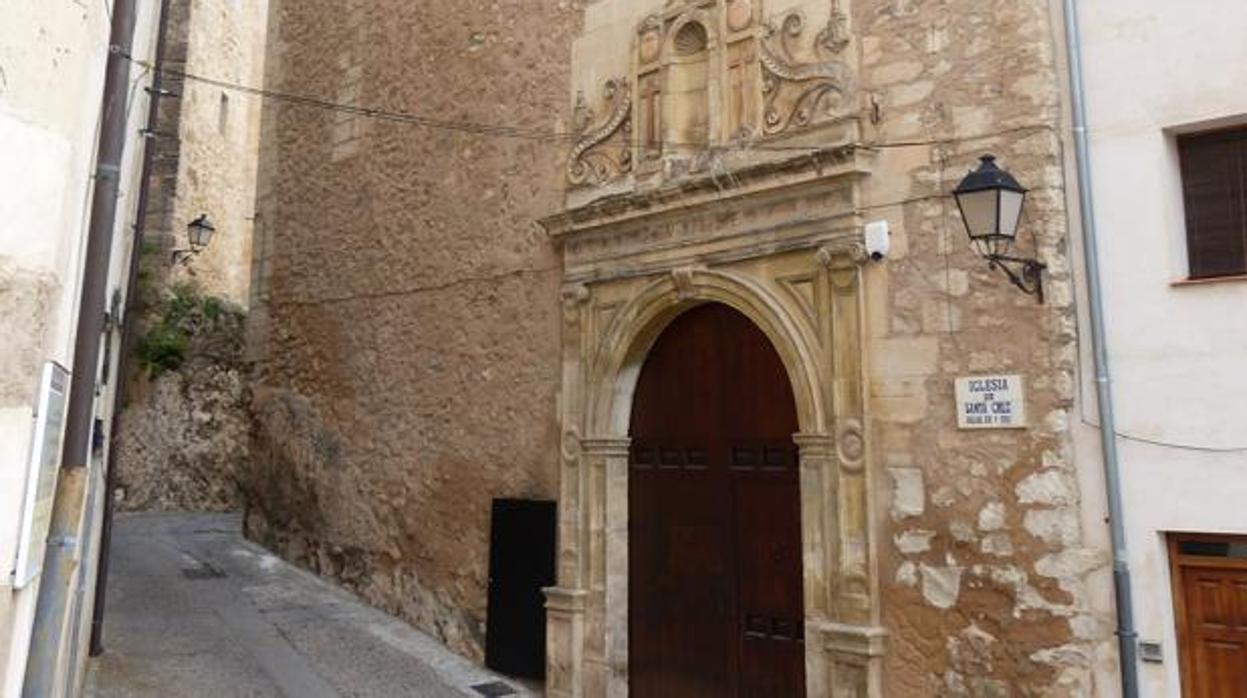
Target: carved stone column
(606, 611)
(566, 603)
(855, 592)
(853, 641)
(818, 542)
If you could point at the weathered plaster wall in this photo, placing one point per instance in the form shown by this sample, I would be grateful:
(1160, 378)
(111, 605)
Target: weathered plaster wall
(404, 315)
(51, 72)
(1177, 352)
(52, 59)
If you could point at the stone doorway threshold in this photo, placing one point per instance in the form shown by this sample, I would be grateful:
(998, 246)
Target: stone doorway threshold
(195, 610)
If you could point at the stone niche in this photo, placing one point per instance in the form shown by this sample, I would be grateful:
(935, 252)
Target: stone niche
(703, 80)
(676, 198)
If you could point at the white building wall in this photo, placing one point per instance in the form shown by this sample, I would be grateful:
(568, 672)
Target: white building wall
(1154, 69)
(52, 64)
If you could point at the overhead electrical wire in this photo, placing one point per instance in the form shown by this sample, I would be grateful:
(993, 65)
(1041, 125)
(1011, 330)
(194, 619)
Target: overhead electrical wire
(562, 137)
(537, 134)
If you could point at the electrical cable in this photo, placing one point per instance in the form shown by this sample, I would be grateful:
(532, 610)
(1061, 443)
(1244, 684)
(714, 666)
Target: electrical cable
(537, 134)
(534, 134)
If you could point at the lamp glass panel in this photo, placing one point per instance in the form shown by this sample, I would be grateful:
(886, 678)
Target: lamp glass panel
(979, 210)
(200, 235)
(1010, 212)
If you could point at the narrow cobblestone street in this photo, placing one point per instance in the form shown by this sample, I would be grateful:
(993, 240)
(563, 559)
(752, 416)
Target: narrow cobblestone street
(195, 610)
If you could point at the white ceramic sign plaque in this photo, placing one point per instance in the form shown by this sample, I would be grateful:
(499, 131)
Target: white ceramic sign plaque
(42, 469)
(991, 402)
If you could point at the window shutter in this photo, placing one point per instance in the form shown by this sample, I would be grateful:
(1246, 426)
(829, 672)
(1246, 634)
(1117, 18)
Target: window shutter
(1214, 182)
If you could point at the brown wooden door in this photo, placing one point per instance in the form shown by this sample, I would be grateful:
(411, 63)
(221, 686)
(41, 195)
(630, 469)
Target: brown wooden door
(1211, 581)
(715, 591)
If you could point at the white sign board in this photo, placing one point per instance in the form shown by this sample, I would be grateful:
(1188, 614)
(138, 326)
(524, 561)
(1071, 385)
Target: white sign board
(991, 402)
(44, 464)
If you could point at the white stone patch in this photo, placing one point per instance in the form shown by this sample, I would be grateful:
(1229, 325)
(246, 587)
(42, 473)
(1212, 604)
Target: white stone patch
(944, 497)
(1069, 564)
(914, 542)
(941, 586)
(1049, 488)
(1089, 627)
(907, 575)
(1065, 655)
(1053, 526)
(908, 493)
(998, 544)
(992, 517)
(962, 532)
(1027, 597)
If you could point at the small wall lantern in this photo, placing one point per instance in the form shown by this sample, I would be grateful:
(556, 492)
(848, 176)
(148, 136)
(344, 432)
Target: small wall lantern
(991, 203)
(199, 233)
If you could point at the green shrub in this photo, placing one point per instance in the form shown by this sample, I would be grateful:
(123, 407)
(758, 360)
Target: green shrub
(186, 322)
(163, 348)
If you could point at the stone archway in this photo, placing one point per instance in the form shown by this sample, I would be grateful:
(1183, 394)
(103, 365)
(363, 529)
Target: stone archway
(610, 328)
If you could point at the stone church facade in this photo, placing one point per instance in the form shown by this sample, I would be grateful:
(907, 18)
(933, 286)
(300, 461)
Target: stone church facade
(723, 153)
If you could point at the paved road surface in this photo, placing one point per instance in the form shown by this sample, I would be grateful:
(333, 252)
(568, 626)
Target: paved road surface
(195, 611)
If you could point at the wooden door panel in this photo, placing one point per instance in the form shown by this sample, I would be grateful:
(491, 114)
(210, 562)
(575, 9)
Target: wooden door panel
(1238, 592)
(715, 589)
(1213, 604)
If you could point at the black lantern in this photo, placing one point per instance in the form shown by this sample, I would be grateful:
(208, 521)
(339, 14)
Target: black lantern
(199, 233)
(991, 203)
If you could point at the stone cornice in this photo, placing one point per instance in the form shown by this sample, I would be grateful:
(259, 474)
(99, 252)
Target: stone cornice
(776, 179)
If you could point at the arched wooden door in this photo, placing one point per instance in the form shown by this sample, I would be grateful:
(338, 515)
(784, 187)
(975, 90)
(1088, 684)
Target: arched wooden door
(715, 584)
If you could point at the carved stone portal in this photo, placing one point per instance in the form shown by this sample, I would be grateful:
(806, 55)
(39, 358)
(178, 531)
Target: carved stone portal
(785, 249)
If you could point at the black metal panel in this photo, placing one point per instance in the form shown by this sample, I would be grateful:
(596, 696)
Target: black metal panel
(521, 564)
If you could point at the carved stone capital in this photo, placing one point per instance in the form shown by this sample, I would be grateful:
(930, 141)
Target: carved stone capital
(608, 446)
(843, 251)
(815, 446)
(574, 295)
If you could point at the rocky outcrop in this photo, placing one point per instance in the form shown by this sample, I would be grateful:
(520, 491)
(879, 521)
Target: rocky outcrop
(184, 440)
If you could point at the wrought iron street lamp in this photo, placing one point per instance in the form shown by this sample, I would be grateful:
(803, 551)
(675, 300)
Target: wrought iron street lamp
(199, 233)
(991, 203)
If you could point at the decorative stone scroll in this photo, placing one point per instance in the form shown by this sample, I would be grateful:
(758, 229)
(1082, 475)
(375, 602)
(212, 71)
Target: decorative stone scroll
(801, 93)
(603, 152)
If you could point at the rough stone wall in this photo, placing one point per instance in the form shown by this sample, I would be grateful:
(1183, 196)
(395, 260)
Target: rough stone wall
(184, 435)
(982, 561)
(405, 320)
(207, 142)
(219, 134)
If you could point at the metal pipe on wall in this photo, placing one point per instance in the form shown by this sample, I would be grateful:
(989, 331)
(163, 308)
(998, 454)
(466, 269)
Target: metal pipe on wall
(1126, 634)
(128, 334)
(60, 563)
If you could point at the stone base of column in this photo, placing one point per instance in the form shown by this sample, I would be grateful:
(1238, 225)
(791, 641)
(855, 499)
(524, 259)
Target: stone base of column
(565, 642)
(854, 660)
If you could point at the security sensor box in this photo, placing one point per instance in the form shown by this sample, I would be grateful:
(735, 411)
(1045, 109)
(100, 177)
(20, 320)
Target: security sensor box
(878, 239)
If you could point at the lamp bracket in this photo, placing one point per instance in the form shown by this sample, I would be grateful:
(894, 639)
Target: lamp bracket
(1026, 274)
(184, 257)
